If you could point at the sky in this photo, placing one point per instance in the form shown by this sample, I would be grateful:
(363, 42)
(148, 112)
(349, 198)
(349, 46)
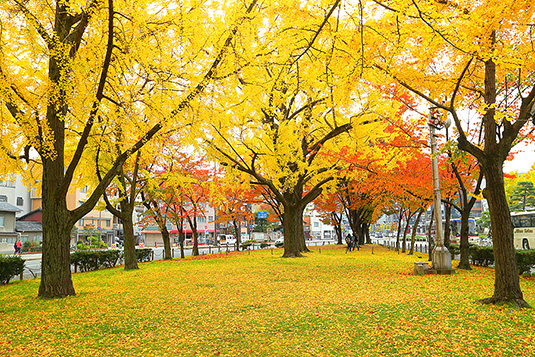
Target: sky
(523, 160)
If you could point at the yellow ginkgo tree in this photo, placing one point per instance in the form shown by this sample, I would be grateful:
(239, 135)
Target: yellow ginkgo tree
(64, 68)
(290, 103)
(474, 61)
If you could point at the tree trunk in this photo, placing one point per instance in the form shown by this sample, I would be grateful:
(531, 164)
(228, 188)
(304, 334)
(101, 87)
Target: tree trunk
(447, 226)
(181, 239)
(463, 235)
(301, 232)
(237, 232)
(413, 236)
(367, 234)
(292, 240)
(506, 280)
(130, 259)
(56, 279)
(405, 230)
(166, 244)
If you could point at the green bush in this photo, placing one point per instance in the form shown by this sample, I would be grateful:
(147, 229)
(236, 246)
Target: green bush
(525, 260)
(144, 255)
(95, 259)
(279, 245)
(482, 256)
(264, 245)
(246, 244)
(454, 249)
(10, 266)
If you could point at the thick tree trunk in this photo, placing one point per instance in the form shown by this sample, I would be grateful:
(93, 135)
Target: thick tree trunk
(367, 233)
(506, 280)
(130, 259)
(56, 279)
(166, 244)
(57, 225)
(292, 239)
(463, 235)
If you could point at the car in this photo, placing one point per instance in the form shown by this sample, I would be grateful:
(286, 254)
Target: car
(279, 240)
(226, 239)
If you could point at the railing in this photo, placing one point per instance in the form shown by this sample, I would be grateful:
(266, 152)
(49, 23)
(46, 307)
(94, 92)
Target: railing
(32, 273)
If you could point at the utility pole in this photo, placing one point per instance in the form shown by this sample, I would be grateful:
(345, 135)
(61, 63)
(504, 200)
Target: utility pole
(441, 256)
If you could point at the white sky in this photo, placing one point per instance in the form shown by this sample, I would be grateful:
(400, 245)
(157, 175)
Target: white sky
(523, 160)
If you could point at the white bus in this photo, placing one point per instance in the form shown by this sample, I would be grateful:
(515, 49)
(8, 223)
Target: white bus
(524, 223)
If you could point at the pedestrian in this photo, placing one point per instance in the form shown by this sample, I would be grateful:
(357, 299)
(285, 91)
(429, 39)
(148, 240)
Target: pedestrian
(348, 242)
(19, 246)
(15, 247)
(356, 242)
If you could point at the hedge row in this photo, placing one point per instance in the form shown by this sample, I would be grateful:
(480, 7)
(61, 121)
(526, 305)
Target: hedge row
(484, 256)
(88, 260)
(10, 266)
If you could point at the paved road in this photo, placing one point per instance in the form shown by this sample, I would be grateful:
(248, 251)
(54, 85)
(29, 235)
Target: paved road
(33, 260)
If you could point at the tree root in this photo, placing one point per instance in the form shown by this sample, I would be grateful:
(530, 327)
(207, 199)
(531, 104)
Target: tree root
(514, 302)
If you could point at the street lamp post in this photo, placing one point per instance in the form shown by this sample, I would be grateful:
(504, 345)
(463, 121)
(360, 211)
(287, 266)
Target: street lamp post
(441, 256)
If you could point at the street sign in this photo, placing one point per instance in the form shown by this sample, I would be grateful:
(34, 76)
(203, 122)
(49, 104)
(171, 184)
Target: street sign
(262, 214)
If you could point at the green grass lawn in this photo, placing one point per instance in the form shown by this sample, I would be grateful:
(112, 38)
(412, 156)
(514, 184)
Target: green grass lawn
(326, 304)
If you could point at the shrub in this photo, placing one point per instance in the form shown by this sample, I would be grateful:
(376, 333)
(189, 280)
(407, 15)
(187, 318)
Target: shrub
(482, 256)
(95, 259)
(525, 260)
(10, 266)
(246, 244)
(454, 249)
(264, 245)
(144, 255)
(279, 245)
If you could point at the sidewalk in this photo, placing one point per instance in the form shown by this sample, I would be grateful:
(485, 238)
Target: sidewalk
(25, 256)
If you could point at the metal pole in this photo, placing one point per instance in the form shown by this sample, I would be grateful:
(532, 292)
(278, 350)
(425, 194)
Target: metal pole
(436, 190)
(441, 256)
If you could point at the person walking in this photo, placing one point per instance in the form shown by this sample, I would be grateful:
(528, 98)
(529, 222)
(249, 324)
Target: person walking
(356, 242)
(18, 246)
(348, 242)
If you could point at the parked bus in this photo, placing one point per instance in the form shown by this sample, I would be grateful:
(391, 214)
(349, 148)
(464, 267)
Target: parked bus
(455, 231)
(524, 233)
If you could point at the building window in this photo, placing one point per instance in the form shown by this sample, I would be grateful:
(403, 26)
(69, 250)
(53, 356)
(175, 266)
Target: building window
(3, 198)
(81, 222)
(107, 223)
(1, 221)
(210, 218)
(201, 219)
(20, 201)
(316, 224)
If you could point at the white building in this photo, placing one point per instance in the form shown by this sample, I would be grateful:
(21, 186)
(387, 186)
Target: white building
(15, 193)
(318, 229)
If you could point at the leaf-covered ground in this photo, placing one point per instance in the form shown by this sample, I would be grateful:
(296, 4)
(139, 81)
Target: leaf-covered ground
(329, 303)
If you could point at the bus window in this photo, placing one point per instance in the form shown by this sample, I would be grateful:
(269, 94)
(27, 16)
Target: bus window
(524, 232)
